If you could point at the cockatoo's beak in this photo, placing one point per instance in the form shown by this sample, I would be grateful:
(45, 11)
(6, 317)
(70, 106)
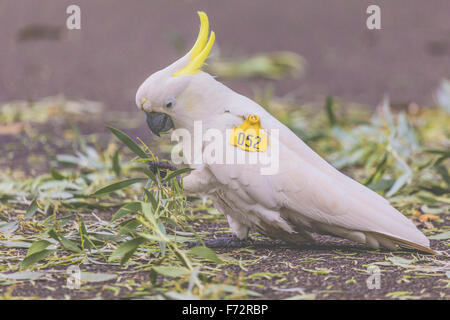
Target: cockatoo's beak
(159, 122)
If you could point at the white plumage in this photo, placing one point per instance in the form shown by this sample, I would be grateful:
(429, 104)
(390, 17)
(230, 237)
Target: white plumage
(306, 195)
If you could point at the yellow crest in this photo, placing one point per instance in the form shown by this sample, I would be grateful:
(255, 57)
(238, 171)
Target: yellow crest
(201, 49)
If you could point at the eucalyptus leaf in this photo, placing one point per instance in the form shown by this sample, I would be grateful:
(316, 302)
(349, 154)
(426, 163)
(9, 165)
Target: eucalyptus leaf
(118, 185)
(126, 248)
(177, 173)
(133, 146)
(205, 253)
(96, 277)
(22, 275)
(38, 246)
(32, 209)
(440, 236)
(172, 271)
(127, 208)
(36, 257)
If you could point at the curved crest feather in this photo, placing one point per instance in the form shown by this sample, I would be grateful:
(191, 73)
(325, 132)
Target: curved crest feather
(201, 49)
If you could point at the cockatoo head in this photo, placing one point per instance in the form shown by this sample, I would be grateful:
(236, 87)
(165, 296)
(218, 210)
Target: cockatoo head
(171, 97)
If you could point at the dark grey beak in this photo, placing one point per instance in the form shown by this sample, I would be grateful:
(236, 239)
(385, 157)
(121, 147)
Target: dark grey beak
(159, 122)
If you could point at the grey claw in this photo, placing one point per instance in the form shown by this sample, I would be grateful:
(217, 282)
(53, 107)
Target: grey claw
(162, 166)
(228, 242)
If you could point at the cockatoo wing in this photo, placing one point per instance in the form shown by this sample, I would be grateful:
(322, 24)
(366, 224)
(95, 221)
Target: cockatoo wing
(314, 194)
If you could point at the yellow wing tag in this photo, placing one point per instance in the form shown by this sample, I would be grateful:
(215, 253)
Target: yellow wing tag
(249, 136)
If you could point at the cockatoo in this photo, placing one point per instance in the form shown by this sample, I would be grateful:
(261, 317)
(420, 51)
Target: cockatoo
(306, 195)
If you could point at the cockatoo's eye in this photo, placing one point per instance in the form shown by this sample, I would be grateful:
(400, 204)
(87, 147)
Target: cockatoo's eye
(169, 103)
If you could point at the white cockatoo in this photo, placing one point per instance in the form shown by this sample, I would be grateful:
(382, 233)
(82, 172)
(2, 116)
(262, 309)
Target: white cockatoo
(305, 195)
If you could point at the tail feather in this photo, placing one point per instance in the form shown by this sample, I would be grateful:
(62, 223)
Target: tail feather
(406, 243)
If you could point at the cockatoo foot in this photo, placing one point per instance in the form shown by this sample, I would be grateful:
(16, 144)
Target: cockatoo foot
(163, 167)
(225, 242)
(228, 242)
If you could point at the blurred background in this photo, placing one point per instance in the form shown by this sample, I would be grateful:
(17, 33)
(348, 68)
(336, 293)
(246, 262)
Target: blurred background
(122, 42)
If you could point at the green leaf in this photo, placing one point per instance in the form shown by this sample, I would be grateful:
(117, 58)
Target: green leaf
(443, 172)
(378, 170)
(149, 196)
(306, 296)
(162, 244)
(56, 174)
(126, 209)
(147, 210)
(398, 184)
(38, 246)
(118, 185)
(116, 163)
(23, 275)
(36, 257)
(177, 173)
(172, 271)
(104, 236)
(9, 227)
(397, 294)
(399, 261)
(330, 112)
(151, 175)
(32, 209)
(232, 289)
(86, 241)
(152, 237)
(81, 142)
(318, 270)
(441, 236)
(444, 153)
(133, 146)
(126, 249)
(381, 185)
(15, 244)
(2, 217)
(129, 226)
(147, 172)
(96, 277)
(205, 253)
(66, 243)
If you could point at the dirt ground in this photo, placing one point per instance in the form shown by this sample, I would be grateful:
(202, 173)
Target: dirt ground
(331, 269)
